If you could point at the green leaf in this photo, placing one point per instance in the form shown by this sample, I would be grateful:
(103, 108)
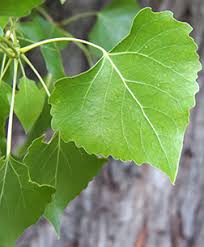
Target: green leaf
(20, 8)
(3, 21)
(134, 104)
(41, 126)
(63, 166)
(40, 29)
(22, 202)
(113, 23)
(2, 146)
(29, 103)
(52, 56)
(5, 95)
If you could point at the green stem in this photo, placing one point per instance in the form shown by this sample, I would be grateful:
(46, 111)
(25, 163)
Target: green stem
(3, 64)
(6, 68)
(36, 73)
(48, 41)
(78, 17)
(10, 123)
(22, 68)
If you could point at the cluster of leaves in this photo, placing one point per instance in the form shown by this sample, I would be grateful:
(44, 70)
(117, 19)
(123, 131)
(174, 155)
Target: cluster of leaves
(133, 104)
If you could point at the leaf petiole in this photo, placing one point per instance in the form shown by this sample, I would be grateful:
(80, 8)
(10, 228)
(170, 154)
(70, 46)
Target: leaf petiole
(3, 64)
(5, 69)
(36, 73)
(64, 39)
(22, 68)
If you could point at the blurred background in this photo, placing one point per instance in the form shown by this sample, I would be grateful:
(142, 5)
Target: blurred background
(128, 206)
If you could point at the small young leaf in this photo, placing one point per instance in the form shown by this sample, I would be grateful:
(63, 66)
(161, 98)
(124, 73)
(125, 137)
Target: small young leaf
(29, 103)
(63, 166)
(134, 104)
(113, 23)
(10, 7)
(22, 202)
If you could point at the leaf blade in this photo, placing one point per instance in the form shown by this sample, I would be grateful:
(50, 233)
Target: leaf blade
(3, 21)
(9, 7)
(18, 197)
(119, 11)
(64, 166)
(29, 103)
(122, 107)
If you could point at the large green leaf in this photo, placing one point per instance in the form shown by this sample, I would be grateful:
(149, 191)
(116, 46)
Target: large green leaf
(63, 166)
(22, 202)
(29, 103)
(113, 23)
(20, 8)
(40, 29)
(134, 104)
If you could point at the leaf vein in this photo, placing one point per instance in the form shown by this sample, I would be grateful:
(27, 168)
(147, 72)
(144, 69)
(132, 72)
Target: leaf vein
(140, 106)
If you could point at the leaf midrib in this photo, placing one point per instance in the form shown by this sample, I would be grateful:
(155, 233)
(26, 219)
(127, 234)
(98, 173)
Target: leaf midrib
(107, 56)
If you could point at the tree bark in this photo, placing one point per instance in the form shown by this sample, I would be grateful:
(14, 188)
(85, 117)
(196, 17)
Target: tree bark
(137, 206)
